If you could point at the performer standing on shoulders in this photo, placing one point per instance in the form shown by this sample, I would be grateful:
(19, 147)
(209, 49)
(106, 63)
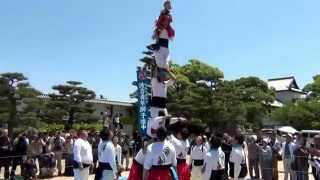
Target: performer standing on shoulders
(107, 168)
(160, 158)
(82, 157)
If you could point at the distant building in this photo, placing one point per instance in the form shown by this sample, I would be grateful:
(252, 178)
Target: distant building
(102, 106)
(114, 108)
(286, 90)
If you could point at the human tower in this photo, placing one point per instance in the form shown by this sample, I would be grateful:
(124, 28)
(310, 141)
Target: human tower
(157, 59)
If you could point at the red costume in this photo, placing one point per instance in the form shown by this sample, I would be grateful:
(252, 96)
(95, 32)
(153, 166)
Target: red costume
(160, 174)
(163, 23)
(136, 171)
(183, 170)
(181, 147)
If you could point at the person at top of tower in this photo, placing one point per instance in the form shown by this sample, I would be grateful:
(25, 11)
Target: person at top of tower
(162, 33)
(164, 21)
(163, 28)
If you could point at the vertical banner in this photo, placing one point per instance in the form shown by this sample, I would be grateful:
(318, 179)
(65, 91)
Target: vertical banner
(143, 105)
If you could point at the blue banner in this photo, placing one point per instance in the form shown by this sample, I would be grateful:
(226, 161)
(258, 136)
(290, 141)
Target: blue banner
(143, 105)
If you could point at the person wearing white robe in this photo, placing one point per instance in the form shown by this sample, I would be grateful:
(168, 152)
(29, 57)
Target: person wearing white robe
(83, 158)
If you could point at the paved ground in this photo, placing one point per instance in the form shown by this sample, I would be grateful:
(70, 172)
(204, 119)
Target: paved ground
(126, 174)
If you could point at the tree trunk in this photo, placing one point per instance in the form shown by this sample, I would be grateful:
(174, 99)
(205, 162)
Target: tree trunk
(12, 116)
(70, 122)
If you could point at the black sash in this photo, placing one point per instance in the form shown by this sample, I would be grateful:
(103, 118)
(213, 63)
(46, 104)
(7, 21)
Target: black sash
(180, 161)
(198, 162)
(159, 102)
(77, 165)
(163, 42)
(161, 166)
(100, 169)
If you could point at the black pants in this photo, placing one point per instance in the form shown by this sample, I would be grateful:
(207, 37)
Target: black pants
(218, 175)
(68, 171)
(16, 162)
(314, 172)
(6, 163)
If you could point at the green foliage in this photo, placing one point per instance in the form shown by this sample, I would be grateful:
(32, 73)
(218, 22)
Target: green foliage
(305, 113)
(69, 102)
(301, 115)
(17, 101)
(314, 87)
(201, 94)
(197, 71)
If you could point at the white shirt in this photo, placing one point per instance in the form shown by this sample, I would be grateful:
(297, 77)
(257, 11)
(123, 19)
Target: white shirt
(155, 123)
(237, 157)
(107, 154)
(291, 149)
(198, 152)
(160, 153)
(159, 89)
(207, 145)
(181, 147)
(164, 34)
(82, 151)
(214, 160)
(140, 157)
(118, 153)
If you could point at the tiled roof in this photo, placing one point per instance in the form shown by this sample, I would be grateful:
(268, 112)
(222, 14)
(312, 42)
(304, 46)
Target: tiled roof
(117, 103)
(99, 101)
(282, 84)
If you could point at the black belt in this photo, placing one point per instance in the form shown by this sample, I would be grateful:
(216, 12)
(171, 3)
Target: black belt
(179, 161)
(77, 165)
(163, 42)
(104, 166)
(161, 166)
(159, 102)
(198, 162)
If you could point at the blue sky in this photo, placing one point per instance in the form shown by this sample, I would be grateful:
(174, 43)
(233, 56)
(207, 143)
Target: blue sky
(99, 42)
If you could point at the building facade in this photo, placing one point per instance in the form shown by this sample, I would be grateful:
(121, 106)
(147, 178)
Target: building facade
(286, 89)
